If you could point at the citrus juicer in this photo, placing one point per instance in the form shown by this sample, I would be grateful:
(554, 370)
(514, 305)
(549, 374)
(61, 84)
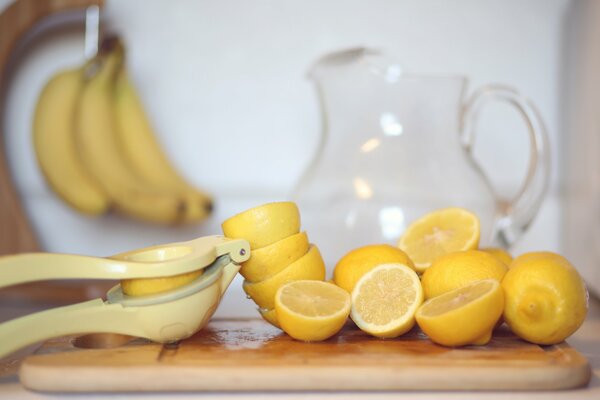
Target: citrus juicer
(163, 317)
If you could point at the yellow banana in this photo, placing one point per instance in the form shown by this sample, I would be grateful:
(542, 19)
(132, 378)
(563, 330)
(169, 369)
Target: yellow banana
(55, 148)
(144, 154)
(100, 152)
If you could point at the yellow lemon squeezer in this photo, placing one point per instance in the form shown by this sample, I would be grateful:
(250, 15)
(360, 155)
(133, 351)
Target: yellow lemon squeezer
(163, 317)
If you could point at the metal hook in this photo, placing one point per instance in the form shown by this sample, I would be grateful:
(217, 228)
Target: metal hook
(92, 31)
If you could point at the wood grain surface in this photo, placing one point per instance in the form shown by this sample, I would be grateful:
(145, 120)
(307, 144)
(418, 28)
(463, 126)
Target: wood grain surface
(248, 355)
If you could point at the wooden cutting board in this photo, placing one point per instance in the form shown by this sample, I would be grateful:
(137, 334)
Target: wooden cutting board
(249, 354)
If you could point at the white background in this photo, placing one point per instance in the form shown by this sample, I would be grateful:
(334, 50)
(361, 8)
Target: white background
(224, 84)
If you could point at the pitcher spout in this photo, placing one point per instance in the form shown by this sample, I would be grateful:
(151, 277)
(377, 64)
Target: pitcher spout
(373, 59)
(336, 59)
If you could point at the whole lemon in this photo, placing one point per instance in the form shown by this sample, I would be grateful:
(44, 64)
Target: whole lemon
(458, 269)
(501, 254)
(359, 261)
(546, 299)
(535, 255)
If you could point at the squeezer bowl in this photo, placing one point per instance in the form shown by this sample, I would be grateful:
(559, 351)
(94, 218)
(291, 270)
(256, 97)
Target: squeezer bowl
(178, 313)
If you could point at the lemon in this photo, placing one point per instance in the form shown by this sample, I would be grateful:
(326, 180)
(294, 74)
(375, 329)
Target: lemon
(501, 254)
(311, 310)
(535, 256)
(454, 270)
(309, 266)
(264, 225)
(359, 261)
(546, 299)
(437, 233)
(270, 316)
(269, 260)
(146, 286)
(385, 299)
(463, 316)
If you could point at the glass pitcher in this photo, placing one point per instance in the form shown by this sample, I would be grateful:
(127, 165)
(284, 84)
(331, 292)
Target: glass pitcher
(396, 146)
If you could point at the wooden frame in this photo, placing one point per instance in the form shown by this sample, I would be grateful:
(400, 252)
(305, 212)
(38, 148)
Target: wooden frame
(16, 231)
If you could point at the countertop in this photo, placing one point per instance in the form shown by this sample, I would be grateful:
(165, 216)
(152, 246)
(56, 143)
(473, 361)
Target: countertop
(586, 340)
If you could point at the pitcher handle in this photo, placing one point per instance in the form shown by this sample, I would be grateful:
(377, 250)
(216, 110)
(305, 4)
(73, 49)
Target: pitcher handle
(516, 213)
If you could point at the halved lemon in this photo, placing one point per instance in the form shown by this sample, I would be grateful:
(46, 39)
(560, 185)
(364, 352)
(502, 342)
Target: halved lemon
(269, 260)
(463, 316)
(309, 266)
(385, 300)
(264, 225)
(440, 232)
(311, 310)
(146, 286)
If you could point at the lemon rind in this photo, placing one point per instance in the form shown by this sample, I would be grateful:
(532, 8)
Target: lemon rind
(250, 272)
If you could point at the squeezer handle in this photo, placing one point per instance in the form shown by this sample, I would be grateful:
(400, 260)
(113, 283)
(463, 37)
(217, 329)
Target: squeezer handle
(93, 316)
(140, 263)
(31, 267)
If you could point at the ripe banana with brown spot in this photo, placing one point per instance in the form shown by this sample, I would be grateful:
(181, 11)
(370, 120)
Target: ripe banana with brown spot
(97, 139)
(55, 148)
(143, 152)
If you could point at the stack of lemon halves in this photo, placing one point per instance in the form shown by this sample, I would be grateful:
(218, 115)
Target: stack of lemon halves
(281, 253)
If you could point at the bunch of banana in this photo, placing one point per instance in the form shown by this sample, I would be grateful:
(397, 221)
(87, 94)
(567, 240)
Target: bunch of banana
(97, 149)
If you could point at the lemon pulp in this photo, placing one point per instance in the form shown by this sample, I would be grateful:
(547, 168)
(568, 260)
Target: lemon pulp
(311, 310)
(385, 299)
(438, 233)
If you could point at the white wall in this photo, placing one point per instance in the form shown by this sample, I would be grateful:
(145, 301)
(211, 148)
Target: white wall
(224, 85)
